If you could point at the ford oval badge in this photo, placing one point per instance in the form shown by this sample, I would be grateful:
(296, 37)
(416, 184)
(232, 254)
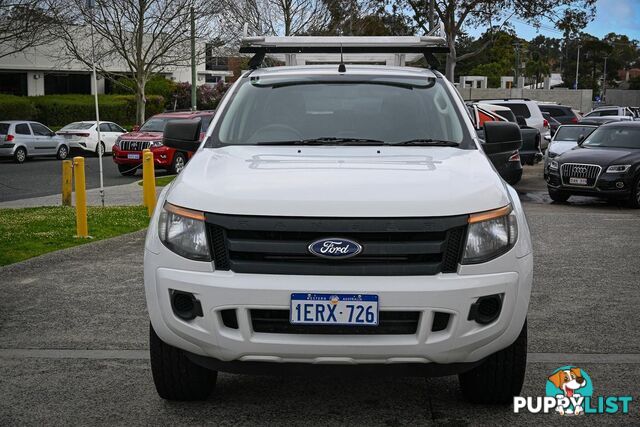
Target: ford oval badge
(335, 247)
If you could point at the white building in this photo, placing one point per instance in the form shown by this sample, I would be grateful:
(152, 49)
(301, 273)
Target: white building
(41, 71)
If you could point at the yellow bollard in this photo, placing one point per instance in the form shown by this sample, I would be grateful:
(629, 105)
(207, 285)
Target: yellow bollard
(82, 229)
(148, 181)
(67, 176)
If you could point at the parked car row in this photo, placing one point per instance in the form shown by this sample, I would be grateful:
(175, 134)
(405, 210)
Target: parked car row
(21, 139)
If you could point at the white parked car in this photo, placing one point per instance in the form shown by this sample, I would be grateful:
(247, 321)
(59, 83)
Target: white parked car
(339, 219)
(530, 111)
(607, 111)
(566, 138)
(85, 135)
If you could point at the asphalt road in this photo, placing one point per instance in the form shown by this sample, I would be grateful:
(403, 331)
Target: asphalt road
(74, 334)
(42, 176)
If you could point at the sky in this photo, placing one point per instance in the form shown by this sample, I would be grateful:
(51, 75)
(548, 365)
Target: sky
(619, 16)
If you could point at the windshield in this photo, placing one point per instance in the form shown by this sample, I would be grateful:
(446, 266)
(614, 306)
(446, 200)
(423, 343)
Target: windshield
(614, 137)
(154, 124)
(572, 133)
(338, 112)
(507, 114)
(77, 126)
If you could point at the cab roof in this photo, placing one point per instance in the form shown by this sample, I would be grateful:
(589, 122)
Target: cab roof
(351, 69)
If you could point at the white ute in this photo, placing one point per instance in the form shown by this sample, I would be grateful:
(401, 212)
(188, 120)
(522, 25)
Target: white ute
(339, 218)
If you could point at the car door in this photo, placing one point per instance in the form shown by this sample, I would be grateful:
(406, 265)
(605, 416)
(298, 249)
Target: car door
(24, 137)
(107, 135)
(44, 141)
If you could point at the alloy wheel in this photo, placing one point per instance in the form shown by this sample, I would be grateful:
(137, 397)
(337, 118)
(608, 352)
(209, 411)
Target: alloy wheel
(179, 164)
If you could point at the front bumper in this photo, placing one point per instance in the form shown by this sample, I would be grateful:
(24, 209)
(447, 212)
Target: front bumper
(162, 157)
(462, 341)
(610, 185)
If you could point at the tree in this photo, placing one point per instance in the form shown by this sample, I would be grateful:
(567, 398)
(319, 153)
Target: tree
(25, 24)
(144, 37)
(494, 14)
(273, 17)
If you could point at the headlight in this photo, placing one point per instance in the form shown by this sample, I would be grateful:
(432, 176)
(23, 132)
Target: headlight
(156, 143)
(117, 143)
(618, 168)
(183, 232)
(553, 165)
(551, 154)
(490, 234)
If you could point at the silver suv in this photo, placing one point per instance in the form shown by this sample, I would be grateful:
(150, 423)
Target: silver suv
(22, 139)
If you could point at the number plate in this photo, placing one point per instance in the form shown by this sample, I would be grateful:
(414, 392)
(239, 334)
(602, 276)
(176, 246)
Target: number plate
(334, 309)
(578, 181)
(133, 156)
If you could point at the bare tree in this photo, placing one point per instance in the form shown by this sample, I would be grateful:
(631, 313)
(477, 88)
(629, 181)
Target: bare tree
(278, 17)
(457, 14)
(142, 37)
(25, 24)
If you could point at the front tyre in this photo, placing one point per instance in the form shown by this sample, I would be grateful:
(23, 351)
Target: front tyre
(178, 163)
(634, 197)
(175, 376)
(500, 377)
(557, 195)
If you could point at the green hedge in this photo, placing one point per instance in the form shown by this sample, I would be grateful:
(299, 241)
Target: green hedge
(59, 110)
(16, 108)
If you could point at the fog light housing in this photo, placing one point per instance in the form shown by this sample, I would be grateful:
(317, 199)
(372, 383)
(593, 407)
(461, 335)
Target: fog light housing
(185, 305)
(620, 184)
(486, 309)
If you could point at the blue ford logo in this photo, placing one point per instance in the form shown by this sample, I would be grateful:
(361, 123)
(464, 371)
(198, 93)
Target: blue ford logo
(335, 247)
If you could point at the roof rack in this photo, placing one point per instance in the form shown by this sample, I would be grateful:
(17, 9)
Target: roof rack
(301, 50)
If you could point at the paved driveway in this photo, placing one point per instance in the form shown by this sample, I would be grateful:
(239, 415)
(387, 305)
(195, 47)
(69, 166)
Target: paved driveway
(73, 340)
(42, 176)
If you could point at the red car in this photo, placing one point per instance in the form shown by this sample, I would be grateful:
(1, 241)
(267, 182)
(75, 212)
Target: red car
(127, 151)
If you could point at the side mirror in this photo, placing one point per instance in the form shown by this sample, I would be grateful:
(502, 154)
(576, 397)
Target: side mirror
(547, 137)
(581, 139)
(501, 137)
(136, 128)
(521, 121)
(52, 134)
(182, 134)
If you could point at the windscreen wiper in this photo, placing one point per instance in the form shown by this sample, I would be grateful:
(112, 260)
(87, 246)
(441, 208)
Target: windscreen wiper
(326, 141)
(427, 142)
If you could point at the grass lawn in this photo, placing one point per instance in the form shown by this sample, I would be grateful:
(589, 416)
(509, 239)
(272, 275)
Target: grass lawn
(161, 181)
(28, 232)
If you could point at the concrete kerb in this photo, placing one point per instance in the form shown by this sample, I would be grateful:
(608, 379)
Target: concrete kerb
(119, 195)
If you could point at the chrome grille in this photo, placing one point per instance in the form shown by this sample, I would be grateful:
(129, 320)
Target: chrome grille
(580, 170)
(129, 145)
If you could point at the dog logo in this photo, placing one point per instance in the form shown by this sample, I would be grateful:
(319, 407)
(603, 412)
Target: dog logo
(570, 385)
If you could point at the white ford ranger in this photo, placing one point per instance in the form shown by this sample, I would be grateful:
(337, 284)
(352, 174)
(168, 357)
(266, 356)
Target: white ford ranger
(339, 218)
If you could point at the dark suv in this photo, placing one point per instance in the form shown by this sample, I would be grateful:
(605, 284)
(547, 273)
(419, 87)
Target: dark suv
(562, 113)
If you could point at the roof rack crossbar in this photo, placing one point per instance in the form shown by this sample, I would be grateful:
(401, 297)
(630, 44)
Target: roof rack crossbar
(426, 46)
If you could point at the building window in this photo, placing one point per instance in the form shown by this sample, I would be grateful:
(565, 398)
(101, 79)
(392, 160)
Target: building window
(13, 83)
(215, 63)
(212, 79)
(55, 84)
